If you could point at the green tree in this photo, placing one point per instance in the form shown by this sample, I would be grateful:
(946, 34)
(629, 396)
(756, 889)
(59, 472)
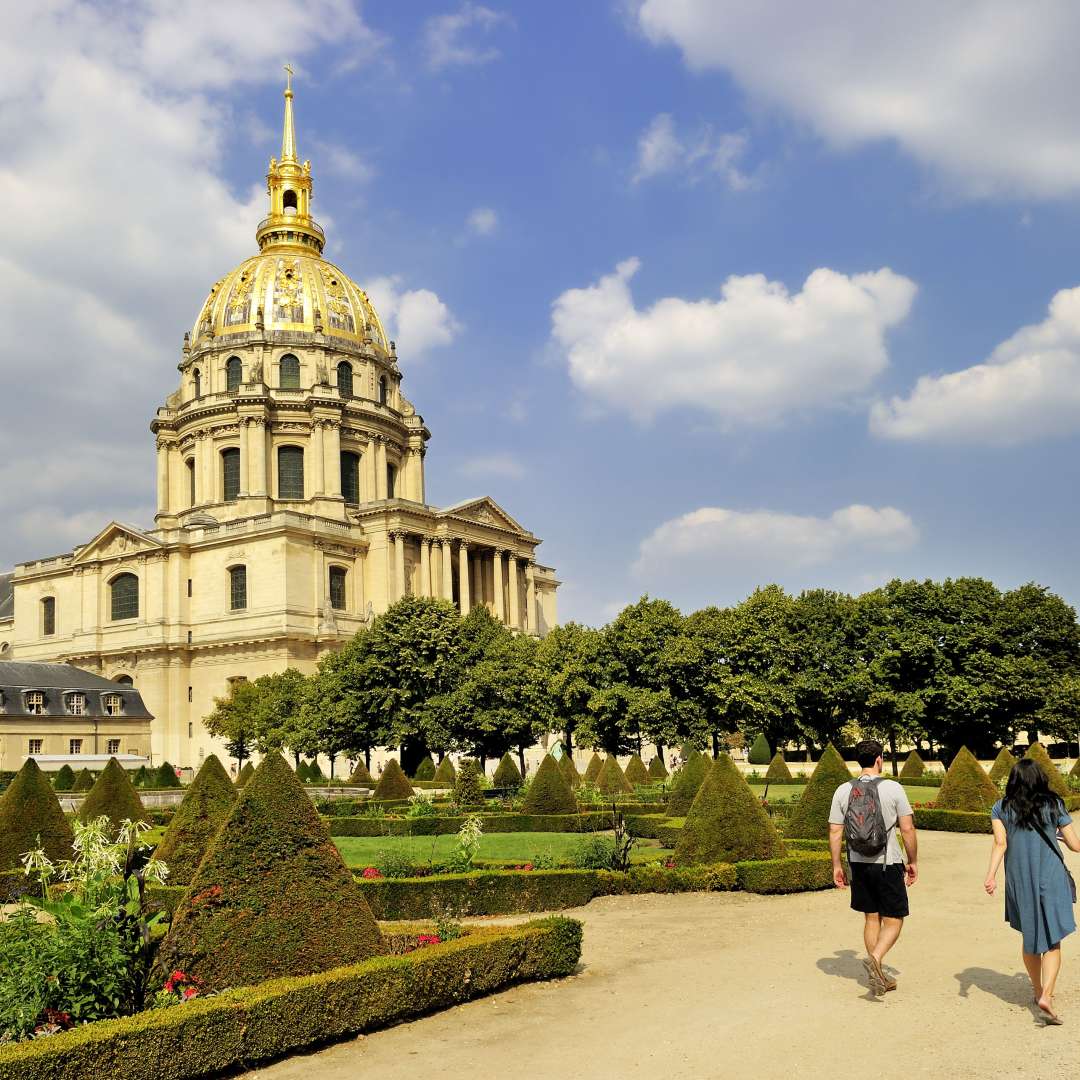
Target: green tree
(235, 719)
(571, 660)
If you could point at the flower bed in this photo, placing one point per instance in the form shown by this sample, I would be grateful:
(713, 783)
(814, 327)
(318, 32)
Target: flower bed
(236, 1028)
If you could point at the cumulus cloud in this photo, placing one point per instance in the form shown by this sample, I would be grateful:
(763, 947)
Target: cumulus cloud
(499, 465)
(451, 40)
(752, 356)
(662, 150)
(1029, 388)
(483, 221)
(981, 91)
(415, 318)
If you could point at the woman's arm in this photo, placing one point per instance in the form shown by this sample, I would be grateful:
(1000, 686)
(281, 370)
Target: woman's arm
(1068, 834)
(997, 853)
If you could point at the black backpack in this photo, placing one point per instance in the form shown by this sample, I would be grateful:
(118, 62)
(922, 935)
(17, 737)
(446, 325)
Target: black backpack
(864, 823)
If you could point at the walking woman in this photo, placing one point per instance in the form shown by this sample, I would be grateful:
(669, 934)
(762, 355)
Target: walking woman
(1039, 894)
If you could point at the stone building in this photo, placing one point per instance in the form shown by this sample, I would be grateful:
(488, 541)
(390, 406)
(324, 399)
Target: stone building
(291, 501)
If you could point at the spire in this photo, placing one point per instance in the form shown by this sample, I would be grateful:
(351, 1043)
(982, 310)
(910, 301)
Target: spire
(288, 134)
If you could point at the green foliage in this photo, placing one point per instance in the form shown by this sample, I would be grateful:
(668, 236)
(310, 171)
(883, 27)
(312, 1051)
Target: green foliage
(303, 771)
(573, 665)
(961, 821)
(569, 771)
(142, 777)
(1075, 770)
(460, 860)
(966, 786)
(84, 780)
(726, 822)
(360, 775)
(445, 773)
(592, 770)
(760, 751)
(612, 780)
(30, 818)
(205, 806)
(235, 718)
(113, 796)
(425, 770)
(635, 771)
(64, 780)
(1002, 766)
(593, 853)
(165, 776)
(300, 913)
(913, 768)
(507, 774)
(315, 775)
(778, 769)
(549, 793)
(246, 773)
(810, 818)
(468, 785)
(393, 783)
(802, 872)
(686, 782)
(1037, 753)
(657, 769)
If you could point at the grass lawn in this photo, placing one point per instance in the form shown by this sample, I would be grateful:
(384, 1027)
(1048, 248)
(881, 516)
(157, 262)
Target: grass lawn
(361, 851)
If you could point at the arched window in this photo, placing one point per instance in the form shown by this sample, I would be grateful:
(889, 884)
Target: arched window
(384, 389)
(290, 469)
(345, 379)
(190, 463)
(125, 597)
(288, 201)
(350, 476)
(197, 379)
(290, 372)
(124, 680)
(337, 587)
(238, 588)
(391, 481)
(48, 615)
(230, 473)
(234, 373)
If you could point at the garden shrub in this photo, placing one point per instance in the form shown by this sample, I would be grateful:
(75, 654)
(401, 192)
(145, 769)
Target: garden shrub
(726, 822)
(360, 776)
(549, 793)
(803, 872)
(592, 770)
(507, 774)
(810, 818)
(635, 771)
(962, 821)
(31, 818)
(913, 767)
(84, 780)
(778, 769)
(165, 776)
(113, 796)
(1075, 770)
(966, 786)
(393, 784)
(246, 773)
(1002, 766)
(206, 804)
(303, 772)
(315, 774)
(569, 771)
(272, 896)
(64, 780)
(1058, 784)
(760, 751)
(142, 776)
(657, 771)
(612, 780)
(425, 770)
(468, 787)
(445, 773)
(686, 783)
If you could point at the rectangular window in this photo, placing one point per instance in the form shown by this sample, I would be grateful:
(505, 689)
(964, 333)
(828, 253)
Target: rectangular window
(34, 747)
(35, 703)
(238, 588)
(189, 587)
(350, 476)
(77, 704)
(189, 637)
(391, 481)
(74, 746)
(337, 588)
(112, 746)
(230, 473)
(112, 704)
(189, 693)
(48, 616)
(191, 480)
(290, 472)
(190, 729)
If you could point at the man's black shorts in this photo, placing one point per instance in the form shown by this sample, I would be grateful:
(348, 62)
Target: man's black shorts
(877, 889)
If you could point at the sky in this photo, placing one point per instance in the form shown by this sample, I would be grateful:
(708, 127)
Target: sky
(707, 295)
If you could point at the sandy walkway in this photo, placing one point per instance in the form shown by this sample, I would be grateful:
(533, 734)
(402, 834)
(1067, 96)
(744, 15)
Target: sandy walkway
(700, 986)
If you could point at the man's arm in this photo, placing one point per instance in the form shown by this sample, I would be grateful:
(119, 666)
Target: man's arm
(836, 835)
(911, 847)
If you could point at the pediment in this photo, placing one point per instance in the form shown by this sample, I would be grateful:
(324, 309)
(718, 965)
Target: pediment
(116, 541)
(485, 511)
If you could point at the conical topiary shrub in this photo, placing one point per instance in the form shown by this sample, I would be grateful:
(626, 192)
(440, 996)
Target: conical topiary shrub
(246, 773)
(445, 773)
(507, 774)
(272, 897)
(913, 768)
(635, 771)
(425, 770)
(206, 805)
(760, 751)
(1075, 770)
(113, 796)
(303, 771)
(165, 776)
(468, 787)
(31, 817)
(64, 780)
(726, 822)
(657, 771)
(612, 780)
(966, 785)
(778, 769)
(686, 783)
(360, 777)
(393, 784)
(315, 774)
(569, 771)
(1058, 784)
(84, 780)
(549, 793)
(592, 770)
(142, 777)
(810, 818)
(1002, 766)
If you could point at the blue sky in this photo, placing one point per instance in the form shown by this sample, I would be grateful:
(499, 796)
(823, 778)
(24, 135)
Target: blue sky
(704, 297)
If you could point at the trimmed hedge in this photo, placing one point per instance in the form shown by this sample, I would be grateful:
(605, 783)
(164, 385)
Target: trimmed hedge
(962, 821)
(1002, 766)
(1058, 784)
(923, 781)
(84, 780)
(686, 782)
(248, 771)
(425, 770)
(113, 796)
(760, 751)
(30, 817)
(593, 821)
(569, 771)
(393, 784)
(64, 780)
(657, 769)
(240, 1027)
(966, 787)
(635, 771)
(914, 767)
(810, 819)
(507, 774)
(592, 770)
(468, 784)
(165, 777)
(802, 872)
(360, 777)
(612, 780)
(549, 793)
(445, 773)
(778, 771)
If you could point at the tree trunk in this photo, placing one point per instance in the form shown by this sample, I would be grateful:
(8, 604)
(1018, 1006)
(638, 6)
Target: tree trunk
(715, 745)
(892, 752)
(333, 758)
(568, 741)
(367, 758)
(521, 760)
(296, 760)
(660, 750)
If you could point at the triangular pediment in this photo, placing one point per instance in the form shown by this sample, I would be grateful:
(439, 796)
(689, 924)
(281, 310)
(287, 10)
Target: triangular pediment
(485, 511)
(116, 541)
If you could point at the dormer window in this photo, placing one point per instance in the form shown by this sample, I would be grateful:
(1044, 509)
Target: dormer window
(76, 704)
(113, 704)
(35, 702)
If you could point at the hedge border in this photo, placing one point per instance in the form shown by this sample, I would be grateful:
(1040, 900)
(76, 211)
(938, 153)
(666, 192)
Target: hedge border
(259, 1023)
(592, 821)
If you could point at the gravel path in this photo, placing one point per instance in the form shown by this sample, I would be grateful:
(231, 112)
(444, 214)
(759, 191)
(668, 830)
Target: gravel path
(699, 986)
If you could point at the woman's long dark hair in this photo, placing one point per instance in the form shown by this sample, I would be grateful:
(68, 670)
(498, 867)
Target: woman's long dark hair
(1028, 795)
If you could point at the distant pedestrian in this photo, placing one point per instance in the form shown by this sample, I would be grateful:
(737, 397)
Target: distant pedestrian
(1039, 890)
(867, 812)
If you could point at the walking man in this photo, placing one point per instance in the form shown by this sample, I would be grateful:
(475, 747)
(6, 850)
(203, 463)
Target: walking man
(866, 812)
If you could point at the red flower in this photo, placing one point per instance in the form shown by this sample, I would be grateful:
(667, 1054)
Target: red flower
(527, 866)
(189, 993)
(371, 872)
(427, 939)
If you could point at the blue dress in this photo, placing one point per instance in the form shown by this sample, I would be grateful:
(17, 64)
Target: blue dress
(1037, 898)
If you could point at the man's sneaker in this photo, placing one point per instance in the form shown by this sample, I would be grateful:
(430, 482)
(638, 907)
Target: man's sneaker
(879, 981)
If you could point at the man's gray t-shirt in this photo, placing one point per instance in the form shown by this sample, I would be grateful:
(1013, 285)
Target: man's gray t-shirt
(894, 805)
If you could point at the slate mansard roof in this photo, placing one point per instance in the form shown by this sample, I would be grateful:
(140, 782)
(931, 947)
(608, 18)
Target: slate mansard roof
(57, 680)
(7, 596)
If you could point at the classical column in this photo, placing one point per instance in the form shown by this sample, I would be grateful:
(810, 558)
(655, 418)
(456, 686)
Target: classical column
(371, 469)
(257, 448)
(477, 583)
(463, 576)
(244, 427)
(332, 447)
(500, 608)
(163, 476)
(425, 566)
(447, 571)
(318, 453)
(530, 603)
(399, 564)
(380, 469)
(515, 597)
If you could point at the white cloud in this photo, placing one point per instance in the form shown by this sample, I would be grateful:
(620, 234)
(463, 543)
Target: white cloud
(446, 37)
(483, 221)
(1028, 389)
(752, 356)
(341, 161)
(981, 91)
(500, 465)
(662, 150)
(415, 318)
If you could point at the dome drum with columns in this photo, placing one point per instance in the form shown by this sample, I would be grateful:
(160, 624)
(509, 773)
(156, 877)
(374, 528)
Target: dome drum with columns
(291, 503)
